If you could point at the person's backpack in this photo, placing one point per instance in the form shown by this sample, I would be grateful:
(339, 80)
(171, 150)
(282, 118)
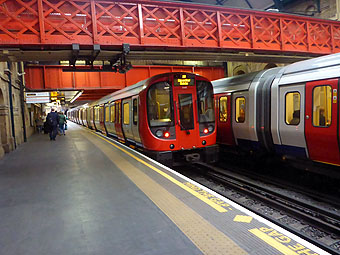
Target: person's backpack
(49, 120)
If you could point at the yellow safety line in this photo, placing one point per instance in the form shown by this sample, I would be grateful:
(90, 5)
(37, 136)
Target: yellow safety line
(272, 242)
(178, 183)
(327, 163)
(204, 235)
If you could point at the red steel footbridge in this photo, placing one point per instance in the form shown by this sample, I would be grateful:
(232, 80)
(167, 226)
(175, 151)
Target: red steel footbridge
(49, 29)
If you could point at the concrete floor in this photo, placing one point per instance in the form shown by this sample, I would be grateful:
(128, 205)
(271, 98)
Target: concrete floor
(66, 197)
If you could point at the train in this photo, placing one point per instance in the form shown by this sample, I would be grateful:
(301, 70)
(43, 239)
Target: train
(170, 117)
(291, 112)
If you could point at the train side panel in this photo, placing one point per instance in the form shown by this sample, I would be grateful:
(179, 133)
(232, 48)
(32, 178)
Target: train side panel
(291, 121)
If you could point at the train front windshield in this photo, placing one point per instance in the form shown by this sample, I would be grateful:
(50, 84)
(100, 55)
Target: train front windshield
(205, 100)
(190, 97)
(160, 105)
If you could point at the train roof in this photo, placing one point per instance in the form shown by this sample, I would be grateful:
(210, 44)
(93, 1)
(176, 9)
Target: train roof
(314, 63)
(241, 82)
(325, 67)
(133, 89)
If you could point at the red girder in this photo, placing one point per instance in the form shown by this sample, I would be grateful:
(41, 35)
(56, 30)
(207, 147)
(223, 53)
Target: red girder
(53, 77)
(27, 23)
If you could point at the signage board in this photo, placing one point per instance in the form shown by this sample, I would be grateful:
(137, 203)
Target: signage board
(37, 97)
(184, 80)
(54, 93)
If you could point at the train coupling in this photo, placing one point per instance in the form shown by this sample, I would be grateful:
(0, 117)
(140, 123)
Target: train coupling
(192, 157)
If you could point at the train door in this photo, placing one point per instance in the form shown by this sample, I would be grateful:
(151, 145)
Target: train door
(96, 118)
(83, 117)
(291, 125)
(127, 119)
(106, 117)
(101, 118)
(135, 122)
(118, 123)
(322, 117)
(224, 117)
(92, 118)
(187, 128)
(88, 119)
(110, 125)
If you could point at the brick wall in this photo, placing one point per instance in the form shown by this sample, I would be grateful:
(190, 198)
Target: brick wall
(7, 141)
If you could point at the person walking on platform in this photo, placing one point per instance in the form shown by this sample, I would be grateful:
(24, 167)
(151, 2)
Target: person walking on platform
(39, 123)
(62, 123)
(53, 121)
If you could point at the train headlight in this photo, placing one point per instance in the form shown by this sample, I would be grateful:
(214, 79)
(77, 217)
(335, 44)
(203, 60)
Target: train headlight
(159, 133)
(211, 128)
(205, 131)
(166, 134)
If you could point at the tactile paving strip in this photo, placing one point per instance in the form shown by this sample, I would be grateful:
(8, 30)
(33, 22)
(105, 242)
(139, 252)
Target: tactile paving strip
(204, 235)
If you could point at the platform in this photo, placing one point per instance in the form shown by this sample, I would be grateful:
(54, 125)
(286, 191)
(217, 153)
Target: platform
(86, 194)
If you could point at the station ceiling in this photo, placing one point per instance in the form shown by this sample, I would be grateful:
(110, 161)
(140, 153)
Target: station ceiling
(254, 48)
(249, 4)
(219, 56)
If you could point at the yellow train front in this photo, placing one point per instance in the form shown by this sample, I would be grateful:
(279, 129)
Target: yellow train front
(170, 116)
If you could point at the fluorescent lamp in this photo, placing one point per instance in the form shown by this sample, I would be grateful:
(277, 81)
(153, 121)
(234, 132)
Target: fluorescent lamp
(76, 96)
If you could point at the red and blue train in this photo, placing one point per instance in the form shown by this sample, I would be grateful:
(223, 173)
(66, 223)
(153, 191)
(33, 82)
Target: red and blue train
(171, 117)
(290, 111)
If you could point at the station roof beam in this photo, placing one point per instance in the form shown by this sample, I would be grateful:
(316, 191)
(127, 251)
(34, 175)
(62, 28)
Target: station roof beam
(156, 26)
(118, 63)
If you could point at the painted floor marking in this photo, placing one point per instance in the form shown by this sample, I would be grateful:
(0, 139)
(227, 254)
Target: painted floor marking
(243, 218)
(205, 236)
(217, 207)
(209, 196)
(232, 203)
(281, 242)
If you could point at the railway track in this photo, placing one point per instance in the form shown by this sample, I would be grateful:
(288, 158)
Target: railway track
(313, 217)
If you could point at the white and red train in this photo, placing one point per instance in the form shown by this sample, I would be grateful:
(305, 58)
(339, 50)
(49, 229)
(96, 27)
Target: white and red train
(291, 111)
(170, 116)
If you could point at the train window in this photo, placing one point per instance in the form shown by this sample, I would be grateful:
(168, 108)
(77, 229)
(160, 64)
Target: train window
(113, 111)
(240, 109)
(186, 111)
(159, 104)
(223, 109)
(135, 113)
(293, 108)
(126, 113)
(107, 113)
(322, 106)
(96, 114)
(205, 96)
(101, 113)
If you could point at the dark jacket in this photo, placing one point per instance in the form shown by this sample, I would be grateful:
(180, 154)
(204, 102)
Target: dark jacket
(62, 119)
(52, 119)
